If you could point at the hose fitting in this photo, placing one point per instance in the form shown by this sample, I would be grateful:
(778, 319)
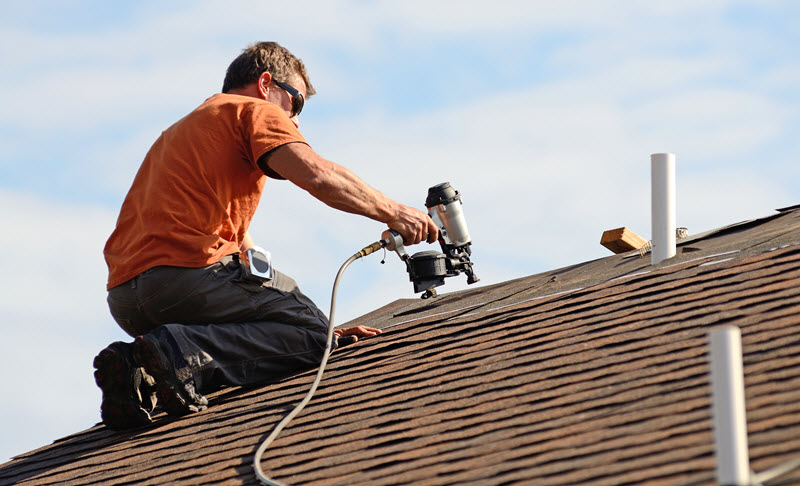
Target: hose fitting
(370, 249)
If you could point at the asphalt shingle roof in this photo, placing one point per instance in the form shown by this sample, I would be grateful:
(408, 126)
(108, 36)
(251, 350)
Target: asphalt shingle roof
(593, 374)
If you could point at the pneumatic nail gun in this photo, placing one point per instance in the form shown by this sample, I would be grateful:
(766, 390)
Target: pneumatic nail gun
(428, 269)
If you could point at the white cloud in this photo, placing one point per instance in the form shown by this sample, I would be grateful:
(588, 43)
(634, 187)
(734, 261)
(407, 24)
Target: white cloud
(93, 99)
(711, 123)
(53, 317)
(508, 17)
(567, 160)
(59, 265)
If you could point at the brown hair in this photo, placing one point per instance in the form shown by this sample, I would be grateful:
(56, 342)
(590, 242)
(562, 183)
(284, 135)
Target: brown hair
(265, 56)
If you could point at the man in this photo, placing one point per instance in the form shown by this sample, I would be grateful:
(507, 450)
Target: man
(177, 281)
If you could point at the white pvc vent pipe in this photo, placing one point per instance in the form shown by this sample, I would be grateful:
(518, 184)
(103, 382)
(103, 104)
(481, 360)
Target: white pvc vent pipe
(727, 399)
(662, 191)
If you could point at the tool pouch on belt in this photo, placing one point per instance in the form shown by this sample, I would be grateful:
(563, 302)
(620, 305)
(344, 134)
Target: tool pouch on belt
(256, 264)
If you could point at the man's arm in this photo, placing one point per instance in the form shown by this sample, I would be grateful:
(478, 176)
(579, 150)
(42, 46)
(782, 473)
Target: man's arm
(339, 188)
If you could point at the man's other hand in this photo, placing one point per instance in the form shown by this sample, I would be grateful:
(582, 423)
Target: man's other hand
(414, 225)
(355, 332)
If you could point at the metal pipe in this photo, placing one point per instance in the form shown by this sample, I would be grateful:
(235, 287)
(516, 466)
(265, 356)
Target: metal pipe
(662, 191)
(727, 398)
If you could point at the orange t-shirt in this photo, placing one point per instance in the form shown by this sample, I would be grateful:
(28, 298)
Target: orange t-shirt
(198, 187)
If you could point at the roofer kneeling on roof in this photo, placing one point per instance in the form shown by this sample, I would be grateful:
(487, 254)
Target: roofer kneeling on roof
(177, 280)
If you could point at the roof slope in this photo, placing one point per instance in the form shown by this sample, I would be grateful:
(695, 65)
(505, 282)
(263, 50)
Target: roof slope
(595, 374)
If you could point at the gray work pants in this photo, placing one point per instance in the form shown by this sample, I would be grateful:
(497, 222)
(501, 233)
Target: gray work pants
(228, 331)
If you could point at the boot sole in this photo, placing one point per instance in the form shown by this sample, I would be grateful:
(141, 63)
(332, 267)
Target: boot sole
(120, 408)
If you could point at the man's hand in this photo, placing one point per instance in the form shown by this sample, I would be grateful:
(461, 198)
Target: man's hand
(247, 242)
(353, 333)
(414, 225)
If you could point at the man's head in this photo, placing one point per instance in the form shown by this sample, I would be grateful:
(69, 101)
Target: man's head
(269, 57)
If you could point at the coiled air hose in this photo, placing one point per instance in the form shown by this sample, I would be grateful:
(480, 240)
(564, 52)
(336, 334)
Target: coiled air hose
(260, 452)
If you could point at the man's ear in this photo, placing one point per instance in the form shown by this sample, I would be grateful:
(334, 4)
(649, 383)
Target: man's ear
(263, 83)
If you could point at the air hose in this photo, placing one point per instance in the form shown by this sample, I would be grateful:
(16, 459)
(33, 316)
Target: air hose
(285, 421)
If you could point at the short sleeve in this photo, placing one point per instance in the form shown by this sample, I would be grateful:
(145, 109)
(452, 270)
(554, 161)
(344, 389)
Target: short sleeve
(266, 128)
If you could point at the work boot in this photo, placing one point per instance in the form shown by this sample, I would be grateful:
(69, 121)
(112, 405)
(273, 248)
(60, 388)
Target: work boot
(128, 391)
(174, 387)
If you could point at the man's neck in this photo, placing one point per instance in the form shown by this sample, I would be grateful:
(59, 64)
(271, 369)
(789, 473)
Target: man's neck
(249, 90)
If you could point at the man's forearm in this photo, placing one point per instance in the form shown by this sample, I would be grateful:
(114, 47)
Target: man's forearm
(332, 183)
(339, 188)
(342, 189)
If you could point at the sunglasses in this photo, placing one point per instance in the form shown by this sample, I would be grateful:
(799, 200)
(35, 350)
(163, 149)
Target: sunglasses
(297, 99)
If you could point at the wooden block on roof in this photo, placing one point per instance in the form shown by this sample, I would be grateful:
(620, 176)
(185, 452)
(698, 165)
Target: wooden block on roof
(622, 240)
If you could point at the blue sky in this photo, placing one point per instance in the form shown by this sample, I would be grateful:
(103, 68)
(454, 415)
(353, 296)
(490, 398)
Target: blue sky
(543, 114)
